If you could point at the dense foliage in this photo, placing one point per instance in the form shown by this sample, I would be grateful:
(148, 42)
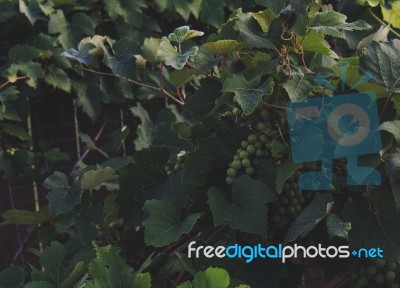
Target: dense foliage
(212, 162)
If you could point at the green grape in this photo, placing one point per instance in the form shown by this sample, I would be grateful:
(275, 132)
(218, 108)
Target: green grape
(294, 186)
(169, 173)
(298, 208)
(293, 201)
(228, 114)
(391, 265)
(268, 144)
(380, 263)
(236, 164)
(286, 187)
(290, 193)
(258, 145)
(252, 138)
(231, 172)
(244, 144)
(246, 162)
(229, 180)
(380, 278)
(243, 154)
(249, 170)
(263, 138)
(277, 219)
(178, 167)
(236, 157)
(265, 115)
(390, 275)
(371, 270)
(284, 200)
(281, 211)
(290, 210)
(362, 282)
(395, 285)
(260, 126)
(260, 153)
(300, 199)
(251, 149)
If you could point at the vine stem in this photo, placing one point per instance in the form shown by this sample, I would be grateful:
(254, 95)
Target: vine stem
(161, 89)
(383, 23)
(9, 82)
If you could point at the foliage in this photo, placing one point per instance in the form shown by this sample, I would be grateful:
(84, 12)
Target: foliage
(208, 83)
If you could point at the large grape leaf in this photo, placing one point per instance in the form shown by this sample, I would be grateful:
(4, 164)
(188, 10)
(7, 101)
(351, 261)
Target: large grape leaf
(93, 178)
(70, 33)
(250, 32)
(310, 216)
(315, 42)
(334, 24)
(337, 227)
(284, 173)
(57, 78)
(24, 217)
(274, 5)
(382, 60)
(247, 211)
(172, 57)
(147, 171)
(247, 96)
(209, 159)
(12, 277)
(392, 15)
(184, 33)
(212, 278)
(122, 62)
(212, 12)
(7, 11)
(109, 270)
(300, 84)
(164, 224)
(375, 224)
(129, 11)
(62, 196)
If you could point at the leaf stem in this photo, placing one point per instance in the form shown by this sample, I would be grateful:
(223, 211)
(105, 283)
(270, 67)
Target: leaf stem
(383, 23)
(9, 82)
(162, 90)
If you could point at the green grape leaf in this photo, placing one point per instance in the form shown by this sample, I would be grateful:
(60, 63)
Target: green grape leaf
(164, 225)
(274, 5)
(135, 179)
(109, 270)
(209, 159)
(284, 173)
(62, 196)
(57, 78)
(12, 277)
(316, 211)
(184, 33)
(181, 77)
(392, 127)
(70, 33)
(16, 130)
(247, 211)
(24, 217)
(382, 61)
(129, 11)
(93, 178)
(123, 62)
(169, 54)
(212, 12)
(142, 280)
(264, 19)
(250, 32)
(23, 53)
(300, 84)
(314, 41)
(337, 227)
(374, 223)
(31, 10)
(31, 70)
(76, 274)
(38, 284)
(392, 15)
(212, 278)
(51, 260)
(334, 24)
(7, 11)
(372, 3)
(246, 95)
(203, 101)
(150, 47)
(223, 46)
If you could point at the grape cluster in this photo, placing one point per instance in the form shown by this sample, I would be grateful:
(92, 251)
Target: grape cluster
(255, 147)
(376, 273)
(176, 164)
(290, 202)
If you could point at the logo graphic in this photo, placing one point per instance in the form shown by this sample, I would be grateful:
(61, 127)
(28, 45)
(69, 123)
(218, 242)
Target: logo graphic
(335, 126)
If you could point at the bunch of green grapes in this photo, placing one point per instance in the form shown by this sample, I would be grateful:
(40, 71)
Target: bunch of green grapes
(290, 203)
(256, 146)
(175, 164)
(376, 273)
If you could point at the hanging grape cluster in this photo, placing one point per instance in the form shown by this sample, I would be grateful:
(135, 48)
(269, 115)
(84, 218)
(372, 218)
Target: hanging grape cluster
(375, 274)
(175, 164)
